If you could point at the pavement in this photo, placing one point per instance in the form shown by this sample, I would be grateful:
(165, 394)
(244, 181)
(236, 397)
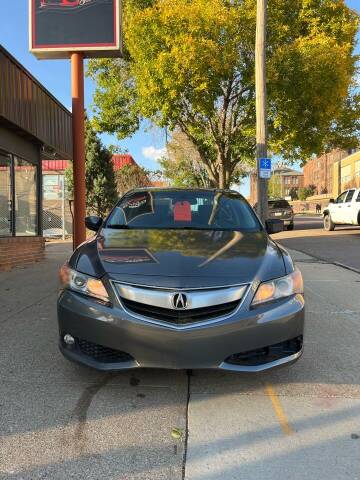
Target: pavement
(341, 247)
(59, 420)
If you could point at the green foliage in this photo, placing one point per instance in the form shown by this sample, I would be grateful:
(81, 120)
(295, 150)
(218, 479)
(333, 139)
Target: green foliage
(132, 176)
(100, 183)
(305, 192)
(274, 186)
(189, 65)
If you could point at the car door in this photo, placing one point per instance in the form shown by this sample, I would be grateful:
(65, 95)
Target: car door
(337, 210)
(349, 207)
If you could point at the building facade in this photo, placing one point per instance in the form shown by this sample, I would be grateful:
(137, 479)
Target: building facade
(33, 126)
(319, 171)
(283, 183)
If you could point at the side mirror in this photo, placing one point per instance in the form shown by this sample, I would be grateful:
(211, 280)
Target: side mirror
(331, 200)
(274, 226)
(93, 223)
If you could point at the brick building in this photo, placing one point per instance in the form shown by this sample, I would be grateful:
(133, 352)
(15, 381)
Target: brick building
(283, 181)
(330, 172)
(33, 126)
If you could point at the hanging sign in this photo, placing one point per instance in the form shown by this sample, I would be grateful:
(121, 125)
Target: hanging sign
(60, 27)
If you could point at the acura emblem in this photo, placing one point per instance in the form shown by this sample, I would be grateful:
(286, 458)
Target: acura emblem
(179, 301)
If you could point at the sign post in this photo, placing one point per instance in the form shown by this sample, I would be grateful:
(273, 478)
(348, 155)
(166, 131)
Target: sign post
(78, 129)
(76, 29)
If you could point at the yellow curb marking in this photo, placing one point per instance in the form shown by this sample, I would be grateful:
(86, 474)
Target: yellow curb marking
(285, 427)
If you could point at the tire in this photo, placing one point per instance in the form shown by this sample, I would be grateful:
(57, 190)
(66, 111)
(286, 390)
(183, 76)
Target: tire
(329, 225)
(290, 227)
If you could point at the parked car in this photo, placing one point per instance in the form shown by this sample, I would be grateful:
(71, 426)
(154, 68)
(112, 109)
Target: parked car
(282, 210)
(181, 279)
(345, 210)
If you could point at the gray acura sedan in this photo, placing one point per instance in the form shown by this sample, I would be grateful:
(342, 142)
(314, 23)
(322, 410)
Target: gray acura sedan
(181, 279)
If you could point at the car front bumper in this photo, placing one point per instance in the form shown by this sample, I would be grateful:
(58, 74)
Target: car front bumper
(250, 340)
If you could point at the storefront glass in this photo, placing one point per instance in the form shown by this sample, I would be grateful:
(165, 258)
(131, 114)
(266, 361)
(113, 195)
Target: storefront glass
(18, 196)
(25, 197)
(5, 196)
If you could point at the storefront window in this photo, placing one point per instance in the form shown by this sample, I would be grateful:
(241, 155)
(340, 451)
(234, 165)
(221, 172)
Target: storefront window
(25, 197)
(18, 196)
(5, 196)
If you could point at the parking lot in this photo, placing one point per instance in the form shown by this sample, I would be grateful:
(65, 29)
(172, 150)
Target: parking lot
(59, 420)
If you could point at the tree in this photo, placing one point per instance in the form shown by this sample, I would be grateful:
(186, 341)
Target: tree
(275, 186)
(294, 193)
(306, 192)
(182, 165)
(189, 65)
(100, 184)
(132, 176)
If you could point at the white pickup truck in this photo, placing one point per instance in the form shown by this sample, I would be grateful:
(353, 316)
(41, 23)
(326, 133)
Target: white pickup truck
(345, 210)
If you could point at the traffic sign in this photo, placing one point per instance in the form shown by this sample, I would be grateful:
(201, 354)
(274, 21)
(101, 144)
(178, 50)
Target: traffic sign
(265, 168)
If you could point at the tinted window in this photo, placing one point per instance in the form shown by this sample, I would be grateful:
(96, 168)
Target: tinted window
(358, 197)
(279, 204)
(341, 198)
(350, 196)
(170, 209)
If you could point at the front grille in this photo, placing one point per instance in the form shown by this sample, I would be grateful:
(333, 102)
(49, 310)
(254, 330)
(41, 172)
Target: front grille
(180, 317)
(102, 354)
(268, 354)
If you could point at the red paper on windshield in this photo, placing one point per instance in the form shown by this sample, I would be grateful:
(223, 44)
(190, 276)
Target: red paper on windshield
(182, 212)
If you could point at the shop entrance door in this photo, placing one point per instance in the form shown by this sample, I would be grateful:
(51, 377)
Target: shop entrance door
(6, 200)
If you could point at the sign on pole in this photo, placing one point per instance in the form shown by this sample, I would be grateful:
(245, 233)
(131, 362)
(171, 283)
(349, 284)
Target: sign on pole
(58, 27)
(265, 168)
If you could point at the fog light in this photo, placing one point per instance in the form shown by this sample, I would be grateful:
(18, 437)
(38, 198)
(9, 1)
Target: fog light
(69, 340)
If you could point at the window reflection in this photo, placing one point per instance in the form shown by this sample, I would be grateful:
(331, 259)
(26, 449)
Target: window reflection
(25, 197)
(5, 196)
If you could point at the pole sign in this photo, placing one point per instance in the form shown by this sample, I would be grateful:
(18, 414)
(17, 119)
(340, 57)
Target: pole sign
(61, 27)
(265, 168)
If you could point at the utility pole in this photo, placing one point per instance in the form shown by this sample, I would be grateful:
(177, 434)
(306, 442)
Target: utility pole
(78, 112)
(261, 117)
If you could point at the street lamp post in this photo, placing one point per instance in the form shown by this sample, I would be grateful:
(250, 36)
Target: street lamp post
(261, 119)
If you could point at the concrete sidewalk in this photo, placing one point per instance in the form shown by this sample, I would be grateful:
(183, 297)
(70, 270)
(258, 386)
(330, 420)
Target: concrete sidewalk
(297, 422)
(59, 420)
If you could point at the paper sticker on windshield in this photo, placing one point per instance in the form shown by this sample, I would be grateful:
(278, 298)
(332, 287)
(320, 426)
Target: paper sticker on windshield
(182, 212)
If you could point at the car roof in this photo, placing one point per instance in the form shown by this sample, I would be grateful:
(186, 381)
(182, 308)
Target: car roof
(184, 189)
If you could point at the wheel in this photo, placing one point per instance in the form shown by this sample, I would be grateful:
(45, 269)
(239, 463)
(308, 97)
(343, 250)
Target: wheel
(329, 225)
(290, 227)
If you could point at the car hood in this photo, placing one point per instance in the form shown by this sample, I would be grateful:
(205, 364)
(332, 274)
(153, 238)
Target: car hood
(181, 257)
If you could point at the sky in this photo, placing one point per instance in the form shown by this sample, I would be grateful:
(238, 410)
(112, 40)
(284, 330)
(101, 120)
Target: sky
(146, 146)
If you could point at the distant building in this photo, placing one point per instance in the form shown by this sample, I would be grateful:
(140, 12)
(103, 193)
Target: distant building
(290, 180)
(333, 172)
(284, 180)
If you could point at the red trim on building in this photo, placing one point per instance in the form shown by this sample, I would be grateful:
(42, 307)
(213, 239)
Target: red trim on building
(60, 165)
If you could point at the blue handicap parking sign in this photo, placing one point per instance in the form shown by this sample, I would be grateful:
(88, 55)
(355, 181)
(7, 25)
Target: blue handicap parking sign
(265, 163)
(265, 168)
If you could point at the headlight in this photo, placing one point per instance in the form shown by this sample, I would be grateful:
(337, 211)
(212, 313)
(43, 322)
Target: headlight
(79, 282)
(279, 288)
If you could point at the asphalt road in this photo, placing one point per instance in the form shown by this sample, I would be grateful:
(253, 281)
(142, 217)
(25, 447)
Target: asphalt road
(306, 222)
(60, 421)
(341, 246)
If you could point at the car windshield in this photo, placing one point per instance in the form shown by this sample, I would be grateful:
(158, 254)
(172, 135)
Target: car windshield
(278, 204)
(183, 209)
